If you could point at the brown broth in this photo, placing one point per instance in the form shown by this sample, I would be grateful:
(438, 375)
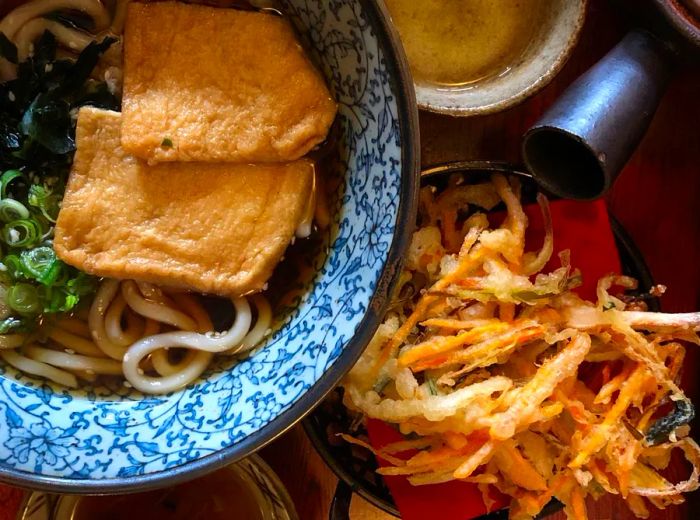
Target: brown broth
(222, 495)
(457, 42)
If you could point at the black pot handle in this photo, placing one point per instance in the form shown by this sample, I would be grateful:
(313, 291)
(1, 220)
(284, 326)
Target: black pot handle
(340, 507)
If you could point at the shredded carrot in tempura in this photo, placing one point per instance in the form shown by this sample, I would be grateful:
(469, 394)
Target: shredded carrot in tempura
(504, 377)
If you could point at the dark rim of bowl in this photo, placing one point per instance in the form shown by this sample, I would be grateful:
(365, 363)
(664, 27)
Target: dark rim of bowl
(632, 263)
(402, 86)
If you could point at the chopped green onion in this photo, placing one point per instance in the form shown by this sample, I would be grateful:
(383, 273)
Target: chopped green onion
(41, 264)
(81, 284)
(23, 298)
(22, 233)
(43, 198)
(6, 179)
(11, 209)
(37, 133)
(57, 299)
(167, 143)
(14, 266)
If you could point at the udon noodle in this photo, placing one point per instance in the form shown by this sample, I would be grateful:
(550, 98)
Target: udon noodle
(160, 340)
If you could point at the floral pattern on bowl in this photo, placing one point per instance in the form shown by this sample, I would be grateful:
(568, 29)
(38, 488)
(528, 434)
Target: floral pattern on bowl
(119, 440)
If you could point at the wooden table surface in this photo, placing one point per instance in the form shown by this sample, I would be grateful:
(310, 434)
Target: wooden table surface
(656, 198)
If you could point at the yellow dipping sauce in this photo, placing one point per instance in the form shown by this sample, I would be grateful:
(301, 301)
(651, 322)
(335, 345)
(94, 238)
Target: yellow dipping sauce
(222, 495)
(457, 42)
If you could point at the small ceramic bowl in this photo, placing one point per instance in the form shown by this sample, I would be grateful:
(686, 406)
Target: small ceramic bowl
(270, 496)
(552, 44)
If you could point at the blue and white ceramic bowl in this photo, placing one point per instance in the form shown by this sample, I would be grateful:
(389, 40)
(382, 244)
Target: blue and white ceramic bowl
(101, 441)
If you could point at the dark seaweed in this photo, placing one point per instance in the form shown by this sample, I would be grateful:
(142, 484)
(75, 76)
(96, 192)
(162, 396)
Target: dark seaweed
(8, 50)
(37, 109)
(683, 413)
(47, 122)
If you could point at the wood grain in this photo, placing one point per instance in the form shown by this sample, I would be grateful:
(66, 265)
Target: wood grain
(656, 198)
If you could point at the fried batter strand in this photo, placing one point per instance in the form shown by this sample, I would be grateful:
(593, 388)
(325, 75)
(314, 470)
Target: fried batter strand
(501, 375)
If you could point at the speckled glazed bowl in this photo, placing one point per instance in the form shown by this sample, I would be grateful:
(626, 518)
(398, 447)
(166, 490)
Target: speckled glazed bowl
(270, 494)
(101, 440)
(554, 40)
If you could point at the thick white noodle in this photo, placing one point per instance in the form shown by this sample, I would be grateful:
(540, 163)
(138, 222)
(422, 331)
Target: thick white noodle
(30, 32)
(113, 323)
(153, 292)
(155, 311)
(193, 309)
(71, 341)
(160, 358)
(98, 310)
(261, 328)
(73, 361)
(36, 368)
(211, 343)
(121, 337)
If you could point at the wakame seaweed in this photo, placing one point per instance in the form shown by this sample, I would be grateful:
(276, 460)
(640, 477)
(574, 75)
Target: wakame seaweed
(38, 111)
(38, 108)
(683, 413)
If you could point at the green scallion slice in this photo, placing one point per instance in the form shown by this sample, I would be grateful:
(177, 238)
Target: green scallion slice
(23, 298)
(11, 209)
(22, 233)
(41, 264)
(45, 200)
(6, 179)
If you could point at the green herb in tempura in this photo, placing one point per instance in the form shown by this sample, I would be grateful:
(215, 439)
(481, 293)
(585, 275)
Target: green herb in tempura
(37, 140)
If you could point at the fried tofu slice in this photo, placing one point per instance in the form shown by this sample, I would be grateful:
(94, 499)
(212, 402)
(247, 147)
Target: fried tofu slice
(209, 84)
(215, 228)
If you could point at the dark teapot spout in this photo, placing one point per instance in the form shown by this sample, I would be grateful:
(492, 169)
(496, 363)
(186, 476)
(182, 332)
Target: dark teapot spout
(580, 145)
